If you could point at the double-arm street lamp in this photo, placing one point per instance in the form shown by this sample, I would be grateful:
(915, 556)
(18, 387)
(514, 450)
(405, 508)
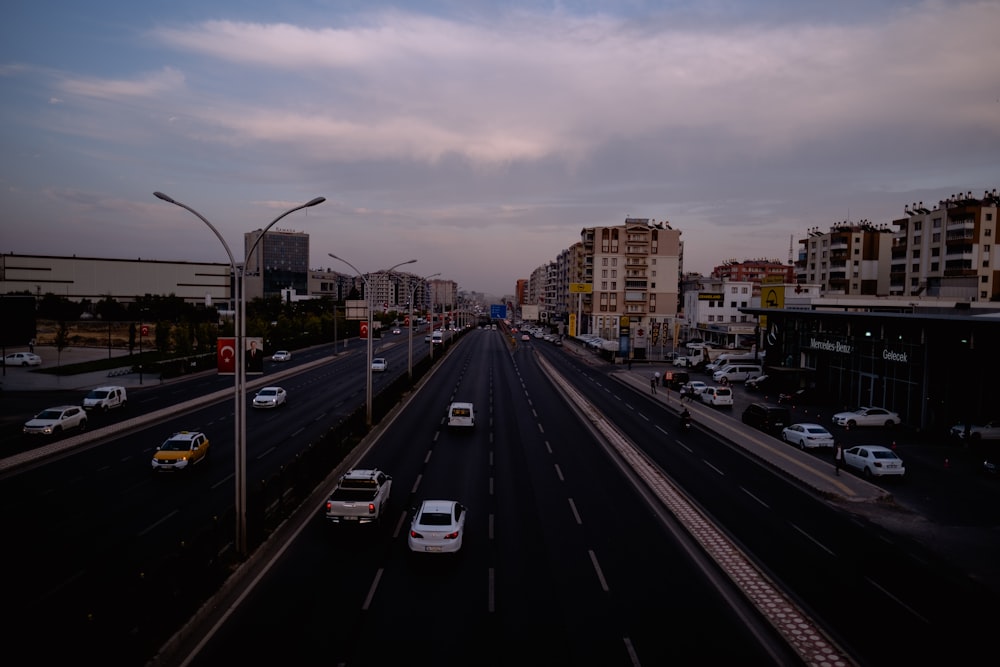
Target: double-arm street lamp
(413, 290)
(240, 374)
(368, 307)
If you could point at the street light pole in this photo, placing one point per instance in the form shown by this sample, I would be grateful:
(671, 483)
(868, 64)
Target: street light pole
(413, 291)
(368, 307)
(240, 374)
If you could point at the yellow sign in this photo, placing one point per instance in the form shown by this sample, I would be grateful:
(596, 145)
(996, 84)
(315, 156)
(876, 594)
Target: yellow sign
(572, 325)
(772, 280)
(772, 297)
(581, 288)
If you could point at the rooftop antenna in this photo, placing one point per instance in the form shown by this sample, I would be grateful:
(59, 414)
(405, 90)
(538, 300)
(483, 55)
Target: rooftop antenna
(791, 241)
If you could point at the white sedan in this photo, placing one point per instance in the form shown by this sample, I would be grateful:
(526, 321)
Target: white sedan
(695, 387)
(438, 526)
(807, 436)
(379, 364)
(22, 359)
(874, 461)
(270, 397)
(281, 355)
(867, 417)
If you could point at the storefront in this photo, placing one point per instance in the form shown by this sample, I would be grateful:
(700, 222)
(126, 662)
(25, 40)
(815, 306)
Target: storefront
(934, 370)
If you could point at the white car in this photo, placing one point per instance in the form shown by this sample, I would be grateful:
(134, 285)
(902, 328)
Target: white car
(461, 414)
(22, 359)
(807, 436)
(866, 417)
(281, 355)
(380, 365)
(270, 397)
(695, 387)
(53, 421)
(717, 396)
(988, 431)
(438, 526)
(874, 461)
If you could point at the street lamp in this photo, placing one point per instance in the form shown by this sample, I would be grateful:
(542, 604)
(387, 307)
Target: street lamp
(413, 291)
(239, 388)
(368, 302)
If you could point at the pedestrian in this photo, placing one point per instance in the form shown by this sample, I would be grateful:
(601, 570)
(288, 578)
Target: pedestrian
(652, 382)
(630, 362)
(838, 458)
(31, 345)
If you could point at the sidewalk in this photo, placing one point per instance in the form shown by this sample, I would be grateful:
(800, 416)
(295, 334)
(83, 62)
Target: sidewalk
(804, 467)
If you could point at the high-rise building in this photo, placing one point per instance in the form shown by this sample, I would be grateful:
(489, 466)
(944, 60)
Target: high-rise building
(280, 261)
(634, 269)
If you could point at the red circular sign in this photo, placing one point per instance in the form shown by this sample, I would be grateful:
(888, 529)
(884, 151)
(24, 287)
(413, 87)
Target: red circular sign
(145, 329)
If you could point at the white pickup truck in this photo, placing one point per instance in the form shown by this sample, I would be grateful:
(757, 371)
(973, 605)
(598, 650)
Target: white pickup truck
(359, 497)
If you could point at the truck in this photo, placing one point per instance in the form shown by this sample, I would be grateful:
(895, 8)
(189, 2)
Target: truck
(361, 496)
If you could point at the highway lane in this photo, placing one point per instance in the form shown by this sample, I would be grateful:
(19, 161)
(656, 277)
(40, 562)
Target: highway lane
(864, 583)
(98, 518)
(565, 564)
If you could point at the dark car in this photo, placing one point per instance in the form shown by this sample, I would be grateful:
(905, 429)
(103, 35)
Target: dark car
(804, 396)
(767, 417)
(676, 379)
(759, 383)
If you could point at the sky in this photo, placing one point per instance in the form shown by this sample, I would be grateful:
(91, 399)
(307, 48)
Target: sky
(478, 137)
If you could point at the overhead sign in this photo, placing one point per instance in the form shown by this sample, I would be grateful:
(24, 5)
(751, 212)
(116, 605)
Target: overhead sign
(581, 288)
(498, 311)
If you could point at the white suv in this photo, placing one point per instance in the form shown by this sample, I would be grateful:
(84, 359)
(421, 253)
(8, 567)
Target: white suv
(717, 395)
(53, 421)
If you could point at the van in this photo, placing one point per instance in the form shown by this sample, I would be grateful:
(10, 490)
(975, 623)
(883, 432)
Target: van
(461, 414)
(437, 338)
(737, 373)
(105, 398)
(767, 417)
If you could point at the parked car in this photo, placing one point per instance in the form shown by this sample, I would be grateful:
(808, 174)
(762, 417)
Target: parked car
(804, 396)
(767, 417)
(53, 421)
(22, 359)
(867, 417)
(180, 451)
(438, 526)
(988, 431)
(281, 355)
(717, 396)
(380, 365)
(874, 461)
(807, 436)
(991, 465)
(270, 397)
(759, 383)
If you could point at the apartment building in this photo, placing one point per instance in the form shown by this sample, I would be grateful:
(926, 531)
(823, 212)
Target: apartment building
(949, 251)
(755, 270)
(849, 259)
(634, 269)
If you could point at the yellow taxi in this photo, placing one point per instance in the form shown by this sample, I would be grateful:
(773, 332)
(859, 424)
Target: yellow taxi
(181, 451)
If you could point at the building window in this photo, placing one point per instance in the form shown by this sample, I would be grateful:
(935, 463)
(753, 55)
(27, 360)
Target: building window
(936, 223)
(984, 279)
(934, 266)
(935, 252)
(987, 232)
(604, 261)
(916, 254)
(916, 225)
(916, 239)
(614, 285)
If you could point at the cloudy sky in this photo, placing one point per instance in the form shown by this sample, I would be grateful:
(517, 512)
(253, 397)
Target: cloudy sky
(480, 137)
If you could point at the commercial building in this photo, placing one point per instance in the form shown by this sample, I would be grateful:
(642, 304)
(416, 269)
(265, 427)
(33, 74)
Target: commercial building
(280, 261)
(124, 280)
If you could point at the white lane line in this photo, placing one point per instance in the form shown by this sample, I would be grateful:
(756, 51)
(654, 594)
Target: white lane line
(416, 483)
(491, 605)
(371, 591)
(559, 473)
(399, 525)
(428, 456)
(721, 474)
(576, 514)
(755, 498)
(632, 655)
(154, 525)
(897, 601)
(813, 540)
(597, 569)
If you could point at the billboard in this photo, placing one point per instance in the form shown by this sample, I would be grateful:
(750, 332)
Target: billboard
(529, 313)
